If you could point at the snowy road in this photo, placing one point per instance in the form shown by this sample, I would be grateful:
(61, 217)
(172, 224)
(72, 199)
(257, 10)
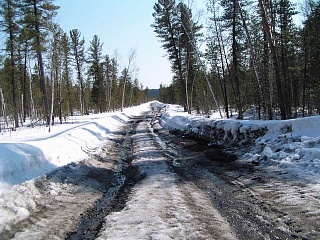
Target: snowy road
(163, 205)
(150, 184)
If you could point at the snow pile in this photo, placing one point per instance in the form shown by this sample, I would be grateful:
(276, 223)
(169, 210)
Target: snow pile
(31, 152)
(290, 147)
(17, 204)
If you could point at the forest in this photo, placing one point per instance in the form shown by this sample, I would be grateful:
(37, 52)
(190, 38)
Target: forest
(257, 57)
(46, 73)
(234, 56)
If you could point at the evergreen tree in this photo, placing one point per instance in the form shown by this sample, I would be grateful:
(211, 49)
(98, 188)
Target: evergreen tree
(11, 28)
(178, 32)
(232, 22)
(126, 76)
(215, 52)
(267, 28)
(166, 26)
(55, 55)
(38, 15)
(107, 69)
(114, 84)
(77, 46)
(67, 95)
(96, 73)
(286, 53)
(312, 58)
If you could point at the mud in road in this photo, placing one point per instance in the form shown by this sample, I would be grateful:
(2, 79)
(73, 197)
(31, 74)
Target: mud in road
(61, 198)
(150, 184)
(257, 204)
(162, 205)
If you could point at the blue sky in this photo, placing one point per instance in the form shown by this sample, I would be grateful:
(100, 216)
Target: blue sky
(121, 25)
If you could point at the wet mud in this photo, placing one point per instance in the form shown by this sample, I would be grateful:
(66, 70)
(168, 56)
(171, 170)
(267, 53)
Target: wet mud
(231, 185)
(117, 194)
(84, 194)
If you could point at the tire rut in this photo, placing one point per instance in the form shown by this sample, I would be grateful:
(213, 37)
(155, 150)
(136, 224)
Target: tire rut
(114, 200)
(228, 183)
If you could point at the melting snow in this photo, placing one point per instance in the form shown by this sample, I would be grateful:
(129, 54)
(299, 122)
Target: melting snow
(290, 146)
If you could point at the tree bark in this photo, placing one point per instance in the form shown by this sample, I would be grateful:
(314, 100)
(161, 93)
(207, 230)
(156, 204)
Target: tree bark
(275, 61)
(40, 62)
(253, 57)
(10, 16)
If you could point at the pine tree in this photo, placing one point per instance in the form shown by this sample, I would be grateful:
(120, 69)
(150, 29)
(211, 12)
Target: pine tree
(38, 15)
(96, 73)
(178, 32)
(166, 26)
(107, 73)
(312, 58)
(267, 27)
(67, 101)
(11, 28)
(232, 22)
(286, 53)
(126, 75)
(77, 46)
(114, 83)
(215, 52)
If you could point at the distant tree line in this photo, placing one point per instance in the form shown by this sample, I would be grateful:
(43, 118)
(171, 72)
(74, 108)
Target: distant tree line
(256, 57)
(46, 72)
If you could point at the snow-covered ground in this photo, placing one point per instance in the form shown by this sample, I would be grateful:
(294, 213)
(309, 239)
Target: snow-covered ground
(30, 152)
(161, 205)
(291, 147)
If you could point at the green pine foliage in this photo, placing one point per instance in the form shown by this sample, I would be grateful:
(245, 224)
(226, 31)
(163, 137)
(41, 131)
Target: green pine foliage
(47, 73)
(258, 59)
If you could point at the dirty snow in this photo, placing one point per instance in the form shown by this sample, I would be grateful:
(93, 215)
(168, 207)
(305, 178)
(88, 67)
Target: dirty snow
(159, 205)
(29, 153)
(291, 147)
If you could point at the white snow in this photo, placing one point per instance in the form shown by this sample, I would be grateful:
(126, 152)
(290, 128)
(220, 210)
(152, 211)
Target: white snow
(31, 152)
(290, 146)
(157, 207)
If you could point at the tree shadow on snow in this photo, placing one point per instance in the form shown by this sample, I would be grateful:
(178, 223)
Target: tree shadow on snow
(20, 162)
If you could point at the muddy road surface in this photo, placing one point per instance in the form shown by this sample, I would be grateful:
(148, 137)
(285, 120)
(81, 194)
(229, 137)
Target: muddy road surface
(148, 183)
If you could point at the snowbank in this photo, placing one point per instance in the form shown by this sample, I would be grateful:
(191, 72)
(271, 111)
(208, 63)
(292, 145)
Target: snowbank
(31, 152)
(291, 147)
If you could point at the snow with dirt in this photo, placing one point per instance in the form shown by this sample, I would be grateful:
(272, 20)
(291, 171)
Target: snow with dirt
(291, 147)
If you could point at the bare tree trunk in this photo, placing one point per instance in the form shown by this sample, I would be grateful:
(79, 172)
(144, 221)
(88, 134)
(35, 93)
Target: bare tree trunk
(52, 102)
(3, 108)
(253, 57)
(10, 16)
(235, 63)
(304, 77)
(25, 84)
(224, 89)
(275, 61)
(186, 84)
(40, 62)
(131, 57)
(32, 113)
